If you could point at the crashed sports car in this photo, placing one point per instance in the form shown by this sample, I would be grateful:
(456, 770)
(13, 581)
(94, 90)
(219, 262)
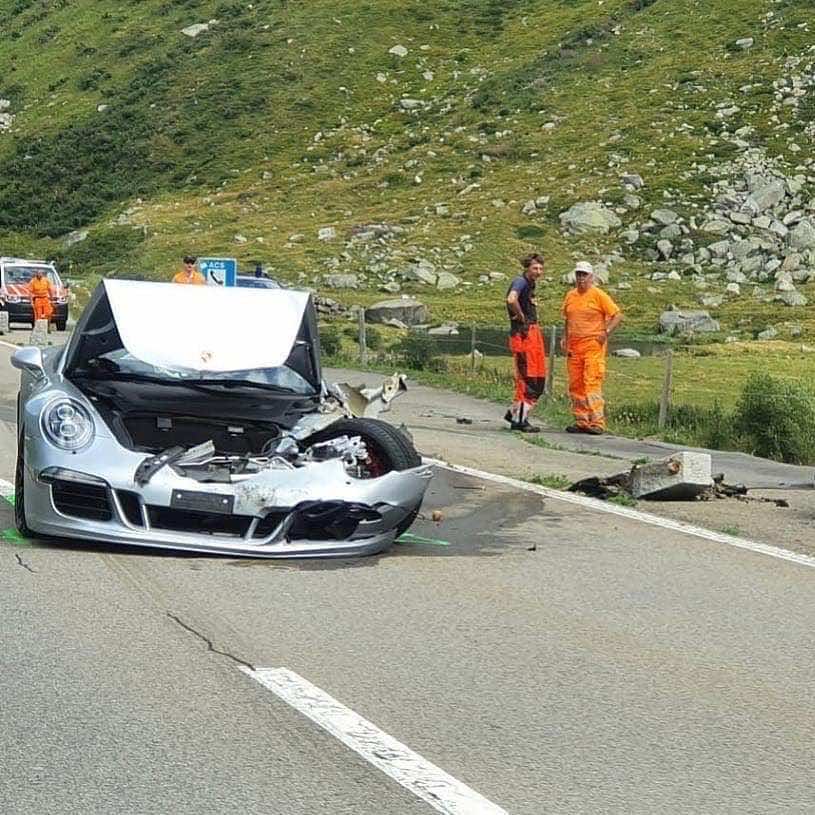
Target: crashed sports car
(197, 418)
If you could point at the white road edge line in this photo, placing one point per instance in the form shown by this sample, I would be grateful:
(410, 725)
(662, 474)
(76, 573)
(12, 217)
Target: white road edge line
(633, 514)
(425, 780)
(10, 345)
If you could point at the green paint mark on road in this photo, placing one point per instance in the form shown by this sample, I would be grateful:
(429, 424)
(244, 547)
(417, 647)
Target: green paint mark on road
(13, 537)
(408, 537)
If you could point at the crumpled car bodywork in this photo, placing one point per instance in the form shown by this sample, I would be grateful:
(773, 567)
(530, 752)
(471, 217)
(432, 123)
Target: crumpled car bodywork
(207, 429)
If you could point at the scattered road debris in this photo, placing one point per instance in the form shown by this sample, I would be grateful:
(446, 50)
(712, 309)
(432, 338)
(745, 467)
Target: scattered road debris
(683, 476)
(680, 477)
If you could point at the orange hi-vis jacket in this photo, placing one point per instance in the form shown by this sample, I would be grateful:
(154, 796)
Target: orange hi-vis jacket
(196, 278)
(41, 291)
(586, 314)
(586, 317)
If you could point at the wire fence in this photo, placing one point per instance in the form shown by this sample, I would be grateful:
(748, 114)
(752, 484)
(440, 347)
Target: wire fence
(484, 352)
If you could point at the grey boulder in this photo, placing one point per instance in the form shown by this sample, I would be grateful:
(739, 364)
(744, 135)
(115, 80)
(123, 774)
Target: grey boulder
(405, 309)
(687, 321)
(589, 217)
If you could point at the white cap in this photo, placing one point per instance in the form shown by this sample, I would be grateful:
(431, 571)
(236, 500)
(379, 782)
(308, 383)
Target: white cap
(584, 266)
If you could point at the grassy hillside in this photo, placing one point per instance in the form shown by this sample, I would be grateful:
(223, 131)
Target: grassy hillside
(286, 117)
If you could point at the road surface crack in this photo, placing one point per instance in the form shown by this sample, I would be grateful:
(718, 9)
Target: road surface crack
(24, 564)
(208, 641)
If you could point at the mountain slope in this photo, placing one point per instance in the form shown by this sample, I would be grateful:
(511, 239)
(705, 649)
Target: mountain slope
(283, 118)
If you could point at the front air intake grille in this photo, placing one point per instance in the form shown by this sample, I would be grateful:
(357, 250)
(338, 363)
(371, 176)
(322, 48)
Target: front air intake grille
(78, 500)
(131, 507)
(199, 523)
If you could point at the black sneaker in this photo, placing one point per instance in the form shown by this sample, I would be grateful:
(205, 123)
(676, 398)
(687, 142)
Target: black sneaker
(524, 427)
(576, 428)
(594, 431)
(508, 417)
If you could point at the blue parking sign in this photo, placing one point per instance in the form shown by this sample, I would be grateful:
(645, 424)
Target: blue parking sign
(219, 271)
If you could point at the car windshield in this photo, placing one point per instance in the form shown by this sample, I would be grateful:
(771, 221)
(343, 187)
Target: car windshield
(123, 363)
(21, 275)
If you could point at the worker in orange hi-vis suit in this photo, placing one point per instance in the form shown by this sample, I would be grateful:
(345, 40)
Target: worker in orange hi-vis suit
(590, 317)
(41, 292)
(189, 274)
(526, 345)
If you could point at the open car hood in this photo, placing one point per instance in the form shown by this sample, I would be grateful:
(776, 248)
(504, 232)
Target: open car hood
(201, 328)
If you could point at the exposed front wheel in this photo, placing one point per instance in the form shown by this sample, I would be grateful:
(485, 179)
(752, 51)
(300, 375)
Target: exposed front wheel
(19, 492)
(61, 325)
(387, 447)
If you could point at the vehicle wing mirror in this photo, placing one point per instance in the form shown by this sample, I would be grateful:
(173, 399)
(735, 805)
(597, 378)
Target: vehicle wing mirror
(29, 359)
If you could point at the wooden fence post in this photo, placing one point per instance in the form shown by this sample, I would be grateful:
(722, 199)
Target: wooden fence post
(667, 385)
(472, 347)
(363, 340)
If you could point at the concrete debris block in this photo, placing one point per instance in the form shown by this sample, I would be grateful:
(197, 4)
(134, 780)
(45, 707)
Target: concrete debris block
(626, 353)
(39, 336)
(4, 326)
(683, 476)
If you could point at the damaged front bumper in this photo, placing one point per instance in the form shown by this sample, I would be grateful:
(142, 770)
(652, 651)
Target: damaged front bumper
(318, 510)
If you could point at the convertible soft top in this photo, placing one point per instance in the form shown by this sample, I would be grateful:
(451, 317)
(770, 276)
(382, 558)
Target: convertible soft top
(200, 328)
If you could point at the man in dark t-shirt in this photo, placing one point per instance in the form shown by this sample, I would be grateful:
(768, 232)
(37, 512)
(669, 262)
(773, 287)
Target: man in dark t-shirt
(526, 345)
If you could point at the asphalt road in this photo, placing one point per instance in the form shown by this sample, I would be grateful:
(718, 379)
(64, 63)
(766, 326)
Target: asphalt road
(553, 658)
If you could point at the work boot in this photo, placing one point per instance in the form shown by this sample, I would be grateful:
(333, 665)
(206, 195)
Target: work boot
(524, 427)
(508, 417)
(576, 428)
(594, 431)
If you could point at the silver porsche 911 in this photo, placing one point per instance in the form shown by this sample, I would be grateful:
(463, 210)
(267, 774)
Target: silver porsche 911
(196, 418)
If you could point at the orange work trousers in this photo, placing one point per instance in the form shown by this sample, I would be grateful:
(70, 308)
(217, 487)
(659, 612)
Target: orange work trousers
(586, 363)
(529, 358)
(43, 310)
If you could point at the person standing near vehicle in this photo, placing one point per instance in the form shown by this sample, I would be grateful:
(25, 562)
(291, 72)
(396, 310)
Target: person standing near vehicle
(189, 274)
(526, 345)
(590, 317)
(41, 291)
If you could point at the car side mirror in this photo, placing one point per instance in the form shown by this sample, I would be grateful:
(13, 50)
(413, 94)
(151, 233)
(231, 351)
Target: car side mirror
(29, 359)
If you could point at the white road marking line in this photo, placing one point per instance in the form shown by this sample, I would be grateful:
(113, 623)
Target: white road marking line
(425, 780)
(10, 345)
(633, 514)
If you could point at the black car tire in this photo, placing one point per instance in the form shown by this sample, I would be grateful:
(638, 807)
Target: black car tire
(61, 325)
(387, 444)
(20, 520)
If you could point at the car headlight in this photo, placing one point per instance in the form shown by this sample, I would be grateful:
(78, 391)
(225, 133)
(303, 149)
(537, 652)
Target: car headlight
(13, 298)
(61, 301)
(67, 424)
